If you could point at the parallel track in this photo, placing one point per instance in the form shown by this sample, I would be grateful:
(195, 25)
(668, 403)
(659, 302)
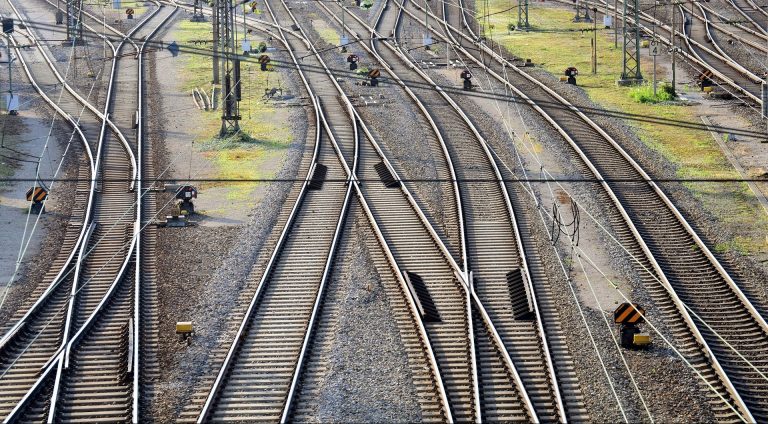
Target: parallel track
(691, 282)
(35, 331)
(491, 235)
(698, 34)
(96, 337)
(321, 214)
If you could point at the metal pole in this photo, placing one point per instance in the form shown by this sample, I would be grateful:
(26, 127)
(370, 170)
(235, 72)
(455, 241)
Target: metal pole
(674, 49)
(654, 61)
(10, 78)
(426, 25)
(624, 44)
(104, 28)
(615, 23)
(594, 41)
(636, 27)
(216, 17)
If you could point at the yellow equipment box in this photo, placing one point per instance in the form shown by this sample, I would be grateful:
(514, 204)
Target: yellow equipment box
(708, 89)
(184, 327)
(641, 339)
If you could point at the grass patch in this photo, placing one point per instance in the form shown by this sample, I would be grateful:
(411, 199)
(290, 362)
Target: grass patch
(556, 43)
(254, 152)
(327, 33)
(644, 93)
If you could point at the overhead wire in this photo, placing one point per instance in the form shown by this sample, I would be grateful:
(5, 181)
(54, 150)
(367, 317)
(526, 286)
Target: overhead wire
(581, 312)
(628, 252)
(596, 111)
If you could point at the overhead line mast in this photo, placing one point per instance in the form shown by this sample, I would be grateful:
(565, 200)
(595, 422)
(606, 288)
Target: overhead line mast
(630, 73)
(228, 66)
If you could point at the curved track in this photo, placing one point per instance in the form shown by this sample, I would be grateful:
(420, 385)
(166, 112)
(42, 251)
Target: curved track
(315, 209)
(699, 292)
(698, 33)
(492, 237)
(89, 373)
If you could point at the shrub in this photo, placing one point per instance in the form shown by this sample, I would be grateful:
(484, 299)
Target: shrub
(644, 93)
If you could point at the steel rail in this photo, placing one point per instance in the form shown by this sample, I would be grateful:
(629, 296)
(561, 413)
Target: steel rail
(434, 367)
(423, 334)
(696, 58)
(62, 356)
(732, 34)
(101, 115)
(693, 45)
(559, 406)
(458, 271)
(64, 360)
(239, 336)
(725, 379)
(13, 331)
(753, 21)
(759, 34)
(502, 187)
(422, 330)
(137, 317)
(691, 58)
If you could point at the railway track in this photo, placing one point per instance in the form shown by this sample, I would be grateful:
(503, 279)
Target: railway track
(417, 225)
(492, 238)
(88, 377)
(754, 13)
(33, 334)
(698, 33)
(337, 130)
(720, 331)
(734, 78)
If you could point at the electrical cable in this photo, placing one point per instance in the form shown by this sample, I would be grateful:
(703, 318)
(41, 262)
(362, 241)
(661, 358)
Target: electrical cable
(572, 198)
(589, 110)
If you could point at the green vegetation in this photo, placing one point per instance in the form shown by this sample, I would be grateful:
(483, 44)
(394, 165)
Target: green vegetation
(644, 93)
(327, 33)
(556, 43)
(253, 153)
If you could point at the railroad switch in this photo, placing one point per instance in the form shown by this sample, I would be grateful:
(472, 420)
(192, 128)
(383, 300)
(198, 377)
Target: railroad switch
(467, 77)
(571, 73)
(629, 317)
(185, 331)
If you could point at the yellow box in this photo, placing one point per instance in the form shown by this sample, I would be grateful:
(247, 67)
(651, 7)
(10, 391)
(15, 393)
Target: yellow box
(708, 89)
(641, 339)
(184, 327)
(563, 78)
(645, 43)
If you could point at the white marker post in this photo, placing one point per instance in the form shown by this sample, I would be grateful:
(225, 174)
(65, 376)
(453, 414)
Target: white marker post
(654, 50)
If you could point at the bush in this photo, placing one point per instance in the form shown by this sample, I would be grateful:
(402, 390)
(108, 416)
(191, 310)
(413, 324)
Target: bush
(644, 93)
